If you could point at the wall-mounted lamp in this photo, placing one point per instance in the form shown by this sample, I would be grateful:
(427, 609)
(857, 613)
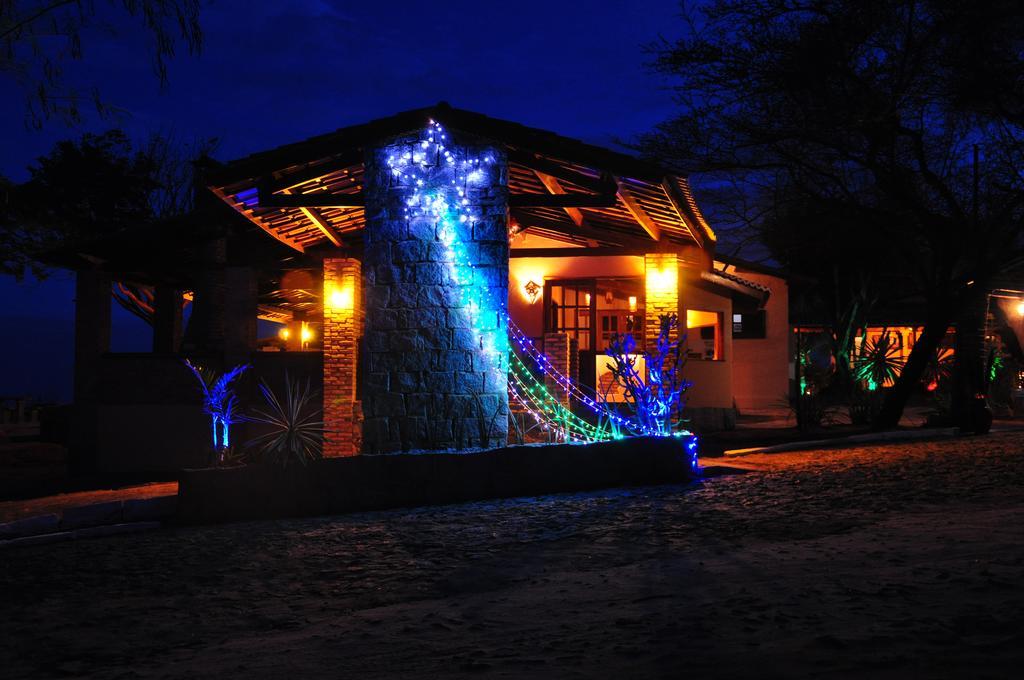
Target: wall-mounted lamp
(531, 291)
(632, 303)
(284, 333)
(1020, 308)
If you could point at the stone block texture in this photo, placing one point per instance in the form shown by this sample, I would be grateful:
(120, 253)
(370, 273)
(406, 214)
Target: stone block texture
(436, 295)
(342, 283)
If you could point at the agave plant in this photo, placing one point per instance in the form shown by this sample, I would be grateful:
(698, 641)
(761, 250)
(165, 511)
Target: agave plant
(295, 429)
(219, 401)
(878, 362)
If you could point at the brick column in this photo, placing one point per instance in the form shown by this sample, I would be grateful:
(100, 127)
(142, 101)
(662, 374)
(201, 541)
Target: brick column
(436, 296)
(340, 342)
(661, 295)
(556, 347)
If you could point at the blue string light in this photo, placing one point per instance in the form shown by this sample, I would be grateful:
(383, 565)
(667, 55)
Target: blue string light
(442, 187)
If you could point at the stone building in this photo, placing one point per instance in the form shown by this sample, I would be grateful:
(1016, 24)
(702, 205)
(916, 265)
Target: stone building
(390, 263)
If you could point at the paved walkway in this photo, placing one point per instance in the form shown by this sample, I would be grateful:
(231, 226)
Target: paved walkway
(884, 561)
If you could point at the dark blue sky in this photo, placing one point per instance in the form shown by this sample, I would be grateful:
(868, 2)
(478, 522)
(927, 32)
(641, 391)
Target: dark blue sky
(276, 72)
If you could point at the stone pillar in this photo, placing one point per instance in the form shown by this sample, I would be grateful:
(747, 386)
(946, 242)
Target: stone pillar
(340, 343)
(166, 319)
(436, 293)
(92, 341)
(661, 294)
(557, 349)
(240, 314)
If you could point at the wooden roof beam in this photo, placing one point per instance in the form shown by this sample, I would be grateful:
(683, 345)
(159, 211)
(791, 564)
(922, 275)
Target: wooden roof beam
(637, 211)
(549, 167)
(562, 200)
(551, 184)
(317, 218)
(586, 233)
(249, 214)
(678, 201)
(319, 221)
(317, 199)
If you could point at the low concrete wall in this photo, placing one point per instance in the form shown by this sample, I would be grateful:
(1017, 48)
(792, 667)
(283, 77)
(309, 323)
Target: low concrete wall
(338, 485)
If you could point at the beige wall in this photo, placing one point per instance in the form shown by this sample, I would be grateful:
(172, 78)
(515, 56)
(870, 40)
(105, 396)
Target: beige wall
(761, 367)
(712, 380)
(522, 269)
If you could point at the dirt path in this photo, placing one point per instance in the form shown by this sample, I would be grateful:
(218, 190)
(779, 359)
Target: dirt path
(884, 561)
(12, 510)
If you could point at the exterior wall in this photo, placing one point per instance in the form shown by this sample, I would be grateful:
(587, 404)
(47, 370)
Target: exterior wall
(761, 367)
(712, 380)
(530, 317)
(436, 369)
(340, 351)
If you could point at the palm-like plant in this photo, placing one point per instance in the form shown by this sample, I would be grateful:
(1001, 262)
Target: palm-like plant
(295, 429)
(878, 361)
(219, 401)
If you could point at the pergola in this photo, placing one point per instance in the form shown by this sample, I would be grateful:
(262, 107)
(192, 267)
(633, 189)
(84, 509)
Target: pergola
(309, 195)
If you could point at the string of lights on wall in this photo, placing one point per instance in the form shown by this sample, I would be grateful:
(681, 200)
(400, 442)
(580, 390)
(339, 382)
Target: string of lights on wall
(447, 201)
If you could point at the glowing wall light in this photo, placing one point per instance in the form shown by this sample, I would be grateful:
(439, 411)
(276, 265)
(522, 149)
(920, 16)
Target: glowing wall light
(1020, 308)
(306, 334)
(342, 297)
(284, 333)
(632, 303)
(662, 280)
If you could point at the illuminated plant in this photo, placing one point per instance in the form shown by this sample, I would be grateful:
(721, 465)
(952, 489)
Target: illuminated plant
(295, 429)
(878, 362)
(220, 402)
(655, 392)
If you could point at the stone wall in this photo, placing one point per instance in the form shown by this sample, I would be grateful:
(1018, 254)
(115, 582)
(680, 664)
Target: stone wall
(436, 291)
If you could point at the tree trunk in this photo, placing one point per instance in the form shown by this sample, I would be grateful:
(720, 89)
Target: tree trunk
(910, 377)
(969, 357)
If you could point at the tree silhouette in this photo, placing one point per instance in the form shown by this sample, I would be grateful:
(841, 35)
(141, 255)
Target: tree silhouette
(905, 114)
(39, 37)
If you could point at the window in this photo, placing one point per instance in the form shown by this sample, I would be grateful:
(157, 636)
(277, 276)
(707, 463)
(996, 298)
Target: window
(569, 310)
(703, 334)
(748, 325)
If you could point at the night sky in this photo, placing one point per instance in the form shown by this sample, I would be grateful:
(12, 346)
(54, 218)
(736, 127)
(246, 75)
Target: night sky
(273, 73)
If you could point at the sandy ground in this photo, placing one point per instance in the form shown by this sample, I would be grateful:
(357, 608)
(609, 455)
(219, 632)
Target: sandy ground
(883, 562)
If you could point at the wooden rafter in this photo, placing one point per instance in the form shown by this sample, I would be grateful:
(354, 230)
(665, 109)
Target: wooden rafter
(251, 215)
(318, 199)
(551, 184)
(316, 217)
(677, 200)
(584, 233)
(549, 167)
(638, 213)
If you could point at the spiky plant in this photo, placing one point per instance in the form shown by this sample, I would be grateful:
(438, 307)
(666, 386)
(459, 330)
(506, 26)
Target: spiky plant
(295, 430)
(878, 362)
